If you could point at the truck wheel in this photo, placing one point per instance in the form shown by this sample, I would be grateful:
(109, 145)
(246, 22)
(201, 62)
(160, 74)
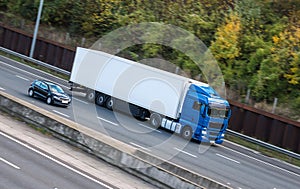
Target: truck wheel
(143, 115)
(187, 132)
(100, 100)
(155, 120)
(90, 96)
(109, 103)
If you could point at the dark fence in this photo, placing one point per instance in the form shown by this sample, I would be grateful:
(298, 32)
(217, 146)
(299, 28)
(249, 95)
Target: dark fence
(252, 122)
(265, 126)
(46, 51)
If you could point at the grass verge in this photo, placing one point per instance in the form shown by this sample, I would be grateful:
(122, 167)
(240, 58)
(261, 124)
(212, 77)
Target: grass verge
(263, 150)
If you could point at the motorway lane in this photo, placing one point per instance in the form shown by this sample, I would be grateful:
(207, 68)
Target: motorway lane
(24, 168)
(224, 164)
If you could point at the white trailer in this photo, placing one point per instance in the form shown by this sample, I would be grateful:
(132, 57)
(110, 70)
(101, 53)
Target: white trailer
(150, 88)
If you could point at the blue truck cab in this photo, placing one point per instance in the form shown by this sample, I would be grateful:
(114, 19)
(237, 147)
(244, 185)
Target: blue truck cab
(204, 115)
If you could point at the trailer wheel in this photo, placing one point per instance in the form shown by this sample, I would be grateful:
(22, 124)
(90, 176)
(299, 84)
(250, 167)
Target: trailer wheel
(100, 100)
(90, 96)
(155, 120)
(187, 132)
(109, 103)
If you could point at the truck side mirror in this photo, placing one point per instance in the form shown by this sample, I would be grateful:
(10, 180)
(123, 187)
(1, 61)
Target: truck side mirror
(202, 110)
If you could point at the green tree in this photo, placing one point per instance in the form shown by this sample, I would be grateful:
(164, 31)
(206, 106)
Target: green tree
(226, 47)
(279, 73)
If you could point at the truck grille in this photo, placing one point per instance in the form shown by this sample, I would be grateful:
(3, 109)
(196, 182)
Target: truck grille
(218, 126)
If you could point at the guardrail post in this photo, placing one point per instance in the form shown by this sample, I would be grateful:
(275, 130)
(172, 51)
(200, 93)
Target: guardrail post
(37, 23)
(248, 96)
(83, 41)
(274, 105)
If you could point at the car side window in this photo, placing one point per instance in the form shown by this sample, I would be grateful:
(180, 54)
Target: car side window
(44, 86)
(38, 83)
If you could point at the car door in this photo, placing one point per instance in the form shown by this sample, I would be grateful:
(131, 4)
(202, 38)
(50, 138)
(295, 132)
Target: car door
(36, 88)
(44, 90)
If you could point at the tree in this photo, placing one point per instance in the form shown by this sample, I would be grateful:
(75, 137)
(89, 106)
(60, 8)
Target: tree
(226, 47)
(279, 73)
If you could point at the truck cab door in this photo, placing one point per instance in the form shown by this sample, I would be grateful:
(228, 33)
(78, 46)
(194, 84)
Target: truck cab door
(191, 112)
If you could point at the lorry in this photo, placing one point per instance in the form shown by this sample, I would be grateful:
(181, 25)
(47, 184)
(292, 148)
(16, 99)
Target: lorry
(190, 108)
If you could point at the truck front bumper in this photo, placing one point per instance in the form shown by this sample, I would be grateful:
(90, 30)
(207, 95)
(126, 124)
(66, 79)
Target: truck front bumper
(211, 137)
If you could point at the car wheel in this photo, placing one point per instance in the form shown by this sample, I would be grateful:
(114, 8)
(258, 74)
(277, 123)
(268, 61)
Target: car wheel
(49, 100)
(31, 93)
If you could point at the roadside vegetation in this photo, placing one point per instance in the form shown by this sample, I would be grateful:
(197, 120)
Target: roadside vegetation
(265, 151)
(256, 42)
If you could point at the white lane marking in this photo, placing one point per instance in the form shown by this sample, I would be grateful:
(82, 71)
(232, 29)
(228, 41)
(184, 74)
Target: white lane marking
(2, 89)
(9, 163)
(274, 166)
(60, 113)
(143, 125)
(187, 153)
(22, 78)
(80, 100)
(55, 160)
(33, 69)
(113, 123)
(34, 74)
(139, 146)
(235, 161)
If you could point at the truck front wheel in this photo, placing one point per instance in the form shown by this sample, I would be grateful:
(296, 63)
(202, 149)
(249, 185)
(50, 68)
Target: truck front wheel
(187, 132)
(155, 120)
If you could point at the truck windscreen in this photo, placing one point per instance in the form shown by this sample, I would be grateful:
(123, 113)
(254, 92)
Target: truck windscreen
(217, 112)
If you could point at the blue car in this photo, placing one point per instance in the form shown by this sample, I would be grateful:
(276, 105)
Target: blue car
(50, 92)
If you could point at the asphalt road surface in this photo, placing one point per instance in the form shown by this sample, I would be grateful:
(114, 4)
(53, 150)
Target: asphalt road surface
(25, 167)
(229, 164)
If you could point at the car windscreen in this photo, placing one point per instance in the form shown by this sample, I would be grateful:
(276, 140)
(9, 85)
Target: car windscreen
(56, 89)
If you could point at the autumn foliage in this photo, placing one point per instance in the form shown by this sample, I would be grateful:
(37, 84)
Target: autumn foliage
(256, 42)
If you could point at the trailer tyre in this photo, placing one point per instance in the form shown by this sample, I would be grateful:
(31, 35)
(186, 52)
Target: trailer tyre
(90, 96)
(155, 120)
(100, 100)
(110, 103)
(187, 132)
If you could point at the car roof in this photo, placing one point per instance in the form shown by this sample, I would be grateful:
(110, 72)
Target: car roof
(47, 82)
